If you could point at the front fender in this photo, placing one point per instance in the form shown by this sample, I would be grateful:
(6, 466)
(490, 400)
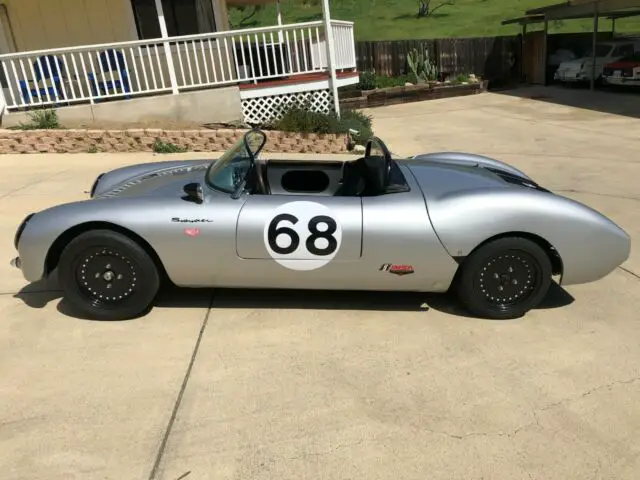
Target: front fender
(150, 218)
(589, 244)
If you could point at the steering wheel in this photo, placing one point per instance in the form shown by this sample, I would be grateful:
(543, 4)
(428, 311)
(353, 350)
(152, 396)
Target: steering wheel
(260, 171)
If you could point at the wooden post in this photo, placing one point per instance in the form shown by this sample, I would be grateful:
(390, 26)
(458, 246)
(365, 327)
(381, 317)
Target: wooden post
(167, 48)
(544, 51)
(328, 31)
(522, 51)
(613, 28)
(594, 45)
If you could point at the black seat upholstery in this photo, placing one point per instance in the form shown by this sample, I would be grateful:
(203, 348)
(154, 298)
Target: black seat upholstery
(376, 176)
(353, 181)
(366, 177)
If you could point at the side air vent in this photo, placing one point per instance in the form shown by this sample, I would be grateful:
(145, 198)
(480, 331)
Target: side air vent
(516, 180)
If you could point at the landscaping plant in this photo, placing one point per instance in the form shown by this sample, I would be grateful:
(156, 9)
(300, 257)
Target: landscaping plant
(422, 69)
(40, 120)
(167, 147)
(301, 119)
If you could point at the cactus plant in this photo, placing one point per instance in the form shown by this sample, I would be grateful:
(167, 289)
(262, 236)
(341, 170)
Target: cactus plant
(421, 67)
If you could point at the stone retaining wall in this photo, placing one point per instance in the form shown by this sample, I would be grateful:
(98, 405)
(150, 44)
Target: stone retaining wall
(414, 93)
(142, 140)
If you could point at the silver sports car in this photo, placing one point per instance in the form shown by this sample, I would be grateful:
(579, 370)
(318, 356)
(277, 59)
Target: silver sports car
(427, 223)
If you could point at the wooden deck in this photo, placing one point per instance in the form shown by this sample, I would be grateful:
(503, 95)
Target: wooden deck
(297, 79)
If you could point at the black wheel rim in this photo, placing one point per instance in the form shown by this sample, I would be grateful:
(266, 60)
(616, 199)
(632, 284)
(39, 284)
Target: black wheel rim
(509, 279)
(107, 278)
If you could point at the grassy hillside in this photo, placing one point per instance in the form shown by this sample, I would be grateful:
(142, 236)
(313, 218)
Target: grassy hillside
(396, 19)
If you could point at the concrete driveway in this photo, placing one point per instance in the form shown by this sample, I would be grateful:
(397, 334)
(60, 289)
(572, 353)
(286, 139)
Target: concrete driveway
(256, 385)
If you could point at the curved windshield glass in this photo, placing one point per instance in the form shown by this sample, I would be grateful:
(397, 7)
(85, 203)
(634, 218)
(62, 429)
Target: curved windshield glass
(229, 172)
(601, 51)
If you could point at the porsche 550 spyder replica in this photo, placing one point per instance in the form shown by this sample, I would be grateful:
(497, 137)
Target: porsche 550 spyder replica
(426, 223)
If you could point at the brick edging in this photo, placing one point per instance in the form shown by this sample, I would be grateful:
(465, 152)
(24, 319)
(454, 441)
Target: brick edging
(142, 140)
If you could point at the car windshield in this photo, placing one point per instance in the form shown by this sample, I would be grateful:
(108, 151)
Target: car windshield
(228, 172)
(601, 51)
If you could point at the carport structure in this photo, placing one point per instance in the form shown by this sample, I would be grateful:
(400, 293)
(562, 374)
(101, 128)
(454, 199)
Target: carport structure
(574, 10)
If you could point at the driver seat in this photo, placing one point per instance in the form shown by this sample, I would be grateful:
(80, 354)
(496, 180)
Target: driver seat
(365, 177)
(375, 176)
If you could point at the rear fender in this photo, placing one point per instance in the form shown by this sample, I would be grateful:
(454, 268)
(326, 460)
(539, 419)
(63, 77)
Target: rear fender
(471, 160)
(589, 245)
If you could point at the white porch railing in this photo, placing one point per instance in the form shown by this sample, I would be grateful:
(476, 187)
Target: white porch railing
(93, 73)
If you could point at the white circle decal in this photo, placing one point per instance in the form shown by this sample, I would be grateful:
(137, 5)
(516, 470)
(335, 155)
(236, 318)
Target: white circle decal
(302, 235)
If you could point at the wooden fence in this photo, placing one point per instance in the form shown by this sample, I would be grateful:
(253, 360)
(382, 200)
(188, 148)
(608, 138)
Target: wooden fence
(492, 58)
(497, 59)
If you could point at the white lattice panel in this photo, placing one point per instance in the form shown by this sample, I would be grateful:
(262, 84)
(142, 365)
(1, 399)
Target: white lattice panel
(261, 110)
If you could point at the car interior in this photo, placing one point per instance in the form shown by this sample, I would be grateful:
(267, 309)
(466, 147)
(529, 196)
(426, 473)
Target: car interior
(372, 175)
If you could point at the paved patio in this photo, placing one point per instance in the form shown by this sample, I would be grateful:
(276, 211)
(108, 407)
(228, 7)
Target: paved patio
(248, 385)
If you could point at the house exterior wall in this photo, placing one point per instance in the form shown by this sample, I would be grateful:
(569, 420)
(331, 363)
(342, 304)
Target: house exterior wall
(218, 105)
(44, 24)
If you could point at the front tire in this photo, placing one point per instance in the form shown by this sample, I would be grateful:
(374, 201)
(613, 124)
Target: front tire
(504, 278)
(108, 276)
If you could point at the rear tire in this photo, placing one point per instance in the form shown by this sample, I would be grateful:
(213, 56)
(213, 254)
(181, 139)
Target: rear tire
(504, 278)
(108, 276)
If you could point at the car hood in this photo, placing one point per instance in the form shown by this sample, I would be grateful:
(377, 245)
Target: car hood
(160, 178)
(572, 64)
(621, 64)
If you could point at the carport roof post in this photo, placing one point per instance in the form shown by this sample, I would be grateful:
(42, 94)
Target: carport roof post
(576, 9)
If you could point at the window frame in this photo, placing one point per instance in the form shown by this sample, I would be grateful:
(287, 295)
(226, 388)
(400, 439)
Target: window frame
(171, 20)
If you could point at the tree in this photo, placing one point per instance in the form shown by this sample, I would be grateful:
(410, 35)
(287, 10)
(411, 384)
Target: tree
(425, 8)
(242, 22)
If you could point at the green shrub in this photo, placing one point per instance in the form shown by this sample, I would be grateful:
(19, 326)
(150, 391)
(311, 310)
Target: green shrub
(386, 82)
(302, 120)
(92, 149)
(355, 120)
(461, 78)
(166, 147)
(370, 81)
(367, 80)
(40, 120)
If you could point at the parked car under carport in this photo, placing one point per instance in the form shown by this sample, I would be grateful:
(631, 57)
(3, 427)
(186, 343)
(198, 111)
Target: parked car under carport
(623, 72)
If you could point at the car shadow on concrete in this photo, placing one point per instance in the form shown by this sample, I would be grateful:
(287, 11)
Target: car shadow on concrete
(557, 297)
(40, 294)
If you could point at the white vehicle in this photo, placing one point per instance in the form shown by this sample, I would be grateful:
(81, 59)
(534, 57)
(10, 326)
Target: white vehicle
(561, 55)
(579, 70)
